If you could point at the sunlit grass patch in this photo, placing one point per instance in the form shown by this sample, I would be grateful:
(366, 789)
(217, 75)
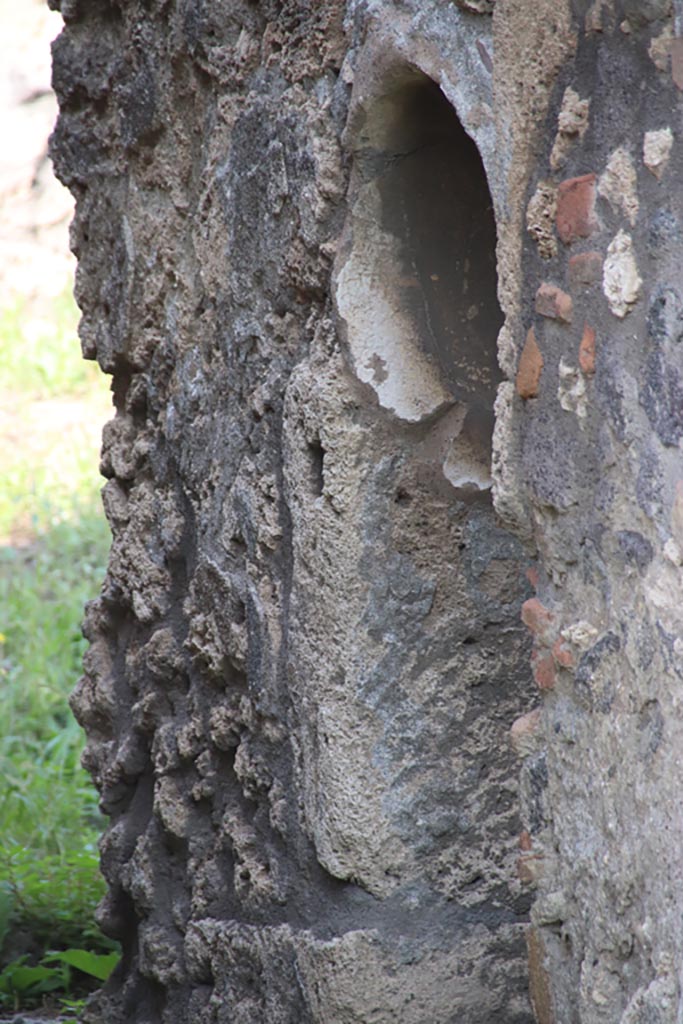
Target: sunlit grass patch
(49, 821)
(39, 350)
(57, 482)
(53, 549)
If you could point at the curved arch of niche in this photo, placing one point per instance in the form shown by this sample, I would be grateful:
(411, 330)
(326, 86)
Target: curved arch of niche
(416, 294)
(416, 285)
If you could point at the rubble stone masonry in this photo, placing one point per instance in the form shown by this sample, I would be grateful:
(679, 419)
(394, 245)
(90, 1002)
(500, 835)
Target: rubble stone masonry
(382, 688)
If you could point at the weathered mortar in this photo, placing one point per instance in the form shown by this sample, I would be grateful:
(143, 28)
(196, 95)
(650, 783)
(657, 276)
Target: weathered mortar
(600, 465)
(308, 651)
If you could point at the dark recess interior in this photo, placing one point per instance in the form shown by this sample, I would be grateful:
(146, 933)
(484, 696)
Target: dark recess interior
(436, 202)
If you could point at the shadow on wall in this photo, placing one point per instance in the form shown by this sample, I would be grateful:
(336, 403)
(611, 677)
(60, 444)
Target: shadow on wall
(418, 289)
(416, 293)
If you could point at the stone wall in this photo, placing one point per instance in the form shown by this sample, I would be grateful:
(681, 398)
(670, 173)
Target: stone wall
(312, 689)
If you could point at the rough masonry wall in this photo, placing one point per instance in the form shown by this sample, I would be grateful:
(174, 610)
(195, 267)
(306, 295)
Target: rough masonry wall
(599, 431)
(308, 652)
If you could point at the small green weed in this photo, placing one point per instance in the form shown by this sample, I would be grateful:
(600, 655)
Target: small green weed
(25, 984)
(22, 983)
(75, 1006)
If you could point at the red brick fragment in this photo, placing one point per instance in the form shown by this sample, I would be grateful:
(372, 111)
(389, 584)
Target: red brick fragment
(530, 367)
(538, 619)
(575, 216)
(562, 654)
(543, 669)
(585, 268)
(532, 575)
(540, 988)
(529, 868)
(525, 842)
(587, 350)
(552, 302)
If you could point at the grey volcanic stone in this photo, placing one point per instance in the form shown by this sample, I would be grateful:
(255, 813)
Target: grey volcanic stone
(303, 259)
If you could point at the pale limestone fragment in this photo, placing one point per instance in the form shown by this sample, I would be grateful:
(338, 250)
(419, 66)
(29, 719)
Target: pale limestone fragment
(571, 390)
(551, 908)
(581, 634)
(540, 219)
(477, 6)
(676, 518)
(659, 49)
(657, 150)
(621, 281)
(383, 340)
(508, 492)
(618, 184)
(526, 735)
(507, 350)
(342, 975)
(673, 553)
(465, 462)
(572, 123)
(663, 588)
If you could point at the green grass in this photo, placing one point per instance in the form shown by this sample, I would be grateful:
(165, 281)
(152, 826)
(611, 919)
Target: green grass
(39, 494)
(40, 353)
(53, 549)
(48, 811)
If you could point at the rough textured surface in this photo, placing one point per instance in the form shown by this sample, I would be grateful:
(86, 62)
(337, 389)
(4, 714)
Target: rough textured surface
(601, 474)
(316, 632)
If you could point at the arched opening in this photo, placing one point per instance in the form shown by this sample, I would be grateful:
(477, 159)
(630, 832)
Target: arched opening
(418, 289)
(444, 664)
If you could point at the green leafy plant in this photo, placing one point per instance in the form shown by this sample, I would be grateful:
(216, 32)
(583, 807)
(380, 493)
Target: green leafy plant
(95, 965)
(6, 910)
(22, 983)
(54, 896)
(72, 1006)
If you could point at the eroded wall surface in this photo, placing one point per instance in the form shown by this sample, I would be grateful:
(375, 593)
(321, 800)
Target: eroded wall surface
(388, 296)
(599, 456)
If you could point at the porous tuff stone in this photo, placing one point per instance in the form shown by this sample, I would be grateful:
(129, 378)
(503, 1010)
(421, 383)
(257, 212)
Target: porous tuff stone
(308, 651)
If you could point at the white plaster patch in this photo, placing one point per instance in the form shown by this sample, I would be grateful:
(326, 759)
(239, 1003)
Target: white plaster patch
(386, 353)
(618, 184)
(462, 468)
(621, 281)
(581, 634)
(572, 123)
(464, 455)
(673, 553)
(657, 150)
(571, 390)
(508, 495)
